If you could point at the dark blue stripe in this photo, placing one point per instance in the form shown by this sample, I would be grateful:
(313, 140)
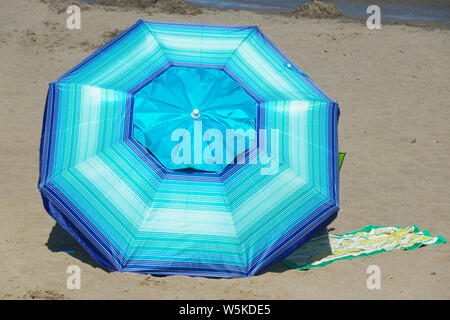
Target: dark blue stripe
(43, 148)
(197, 25)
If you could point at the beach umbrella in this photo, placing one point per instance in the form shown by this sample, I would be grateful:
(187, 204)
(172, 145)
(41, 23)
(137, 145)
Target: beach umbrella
(189, 149)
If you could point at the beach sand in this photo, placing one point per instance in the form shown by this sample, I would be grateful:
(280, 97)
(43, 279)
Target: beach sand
(393, 86)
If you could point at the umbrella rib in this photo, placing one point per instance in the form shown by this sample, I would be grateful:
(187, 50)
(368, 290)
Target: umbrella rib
(74, 83)
(237, 243)
(239, 45)
(164, 102)
(130, 250)
(155, 37)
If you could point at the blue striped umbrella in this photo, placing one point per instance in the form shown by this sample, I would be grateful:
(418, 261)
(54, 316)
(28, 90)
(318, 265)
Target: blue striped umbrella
(107, 169)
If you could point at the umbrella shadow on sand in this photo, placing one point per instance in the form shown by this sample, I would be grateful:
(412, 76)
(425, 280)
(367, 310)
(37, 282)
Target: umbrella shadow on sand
(325, 250)
(60, 240)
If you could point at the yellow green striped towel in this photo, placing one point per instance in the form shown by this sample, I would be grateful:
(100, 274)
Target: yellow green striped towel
(326, 248)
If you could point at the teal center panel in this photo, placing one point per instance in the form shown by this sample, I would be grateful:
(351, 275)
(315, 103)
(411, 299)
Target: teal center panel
(184, 115)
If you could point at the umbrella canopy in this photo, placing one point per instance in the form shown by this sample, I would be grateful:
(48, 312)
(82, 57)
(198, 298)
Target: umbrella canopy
(137, 165)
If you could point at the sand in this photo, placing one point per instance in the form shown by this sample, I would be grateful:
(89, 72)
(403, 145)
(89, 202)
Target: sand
(393, 85)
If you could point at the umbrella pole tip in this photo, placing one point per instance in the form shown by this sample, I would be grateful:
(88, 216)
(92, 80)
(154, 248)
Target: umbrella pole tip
(195, 114)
